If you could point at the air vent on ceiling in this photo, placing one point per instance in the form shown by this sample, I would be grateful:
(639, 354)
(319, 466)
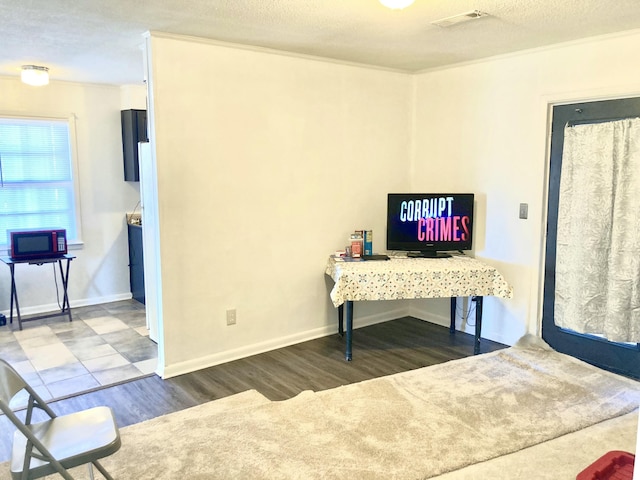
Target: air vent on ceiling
(462, 17)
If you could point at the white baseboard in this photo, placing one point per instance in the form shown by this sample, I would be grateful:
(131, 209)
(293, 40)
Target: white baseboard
(445, 321)
(261, 347)
(53, 307)
(428, 317)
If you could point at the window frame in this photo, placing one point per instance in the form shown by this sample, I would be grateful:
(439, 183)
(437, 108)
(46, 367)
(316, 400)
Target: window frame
(70, 119)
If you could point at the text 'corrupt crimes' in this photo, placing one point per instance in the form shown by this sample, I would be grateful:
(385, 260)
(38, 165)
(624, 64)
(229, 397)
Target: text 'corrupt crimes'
(435, 219)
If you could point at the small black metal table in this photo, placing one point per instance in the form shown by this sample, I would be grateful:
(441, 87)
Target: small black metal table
(65, 309)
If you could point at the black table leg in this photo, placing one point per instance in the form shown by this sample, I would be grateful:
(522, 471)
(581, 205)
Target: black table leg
(65, 281)
(476, 347)
(349, 330)
(65, 308)
(14, 299)
(452, 326)
(341, 319)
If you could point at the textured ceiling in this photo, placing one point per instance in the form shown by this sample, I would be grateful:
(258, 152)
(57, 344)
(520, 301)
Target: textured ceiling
(99, 41)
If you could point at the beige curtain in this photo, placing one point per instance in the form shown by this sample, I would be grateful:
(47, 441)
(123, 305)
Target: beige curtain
(598, 245)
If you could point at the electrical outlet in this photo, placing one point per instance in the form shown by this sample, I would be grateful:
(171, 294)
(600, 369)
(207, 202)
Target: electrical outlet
(231, 317)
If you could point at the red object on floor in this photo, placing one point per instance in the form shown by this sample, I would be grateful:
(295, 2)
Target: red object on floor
(614, 465)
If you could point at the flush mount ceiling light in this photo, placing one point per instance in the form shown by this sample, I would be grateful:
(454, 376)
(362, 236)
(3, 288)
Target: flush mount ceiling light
(462, 17)
(396, 4)
(35, 75)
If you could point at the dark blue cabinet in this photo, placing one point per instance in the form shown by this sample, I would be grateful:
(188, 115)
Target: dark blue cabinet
(136, 262)
(134, 130)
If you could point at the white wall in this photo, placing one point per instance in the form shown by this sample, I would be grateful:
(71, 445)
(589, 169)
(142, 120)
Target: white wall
(303, 151)
(265, 164)
(100, 271)
(482, 128)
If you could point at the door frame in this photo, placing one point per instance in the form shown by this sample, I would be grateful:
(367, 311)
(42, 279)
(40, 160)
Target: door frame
(620, 358)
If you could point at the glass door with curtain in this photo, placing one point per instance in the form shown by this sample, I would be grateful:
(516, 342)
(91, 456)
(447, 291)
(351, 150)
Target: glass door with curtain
(591, 304)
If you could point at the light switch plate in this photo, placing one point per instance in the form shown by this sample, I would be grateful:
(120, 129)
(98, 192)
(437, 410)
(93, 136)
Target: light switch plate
(524, 210)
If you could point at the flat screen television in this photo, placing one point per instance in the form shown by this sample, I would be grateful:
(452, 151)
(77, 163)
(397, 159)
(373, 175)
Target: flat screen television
(429, 224)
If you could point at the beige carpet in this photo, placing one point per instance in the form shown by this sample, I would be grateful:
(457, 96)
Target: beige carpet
(412, 425)
(559, 459)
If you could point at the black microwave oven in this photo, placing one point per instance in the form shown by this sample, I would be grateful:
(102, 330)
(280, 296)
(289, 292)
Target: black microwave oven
(37, 243)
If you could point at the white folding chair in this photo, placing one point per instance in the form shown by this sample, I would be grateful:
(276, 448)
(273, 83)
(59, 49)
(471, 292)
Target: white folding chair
(59, 442)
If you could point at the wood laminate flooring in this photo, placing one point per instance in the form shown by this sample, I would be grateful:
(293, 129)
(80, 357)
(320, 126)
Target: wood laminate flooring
(378, 350)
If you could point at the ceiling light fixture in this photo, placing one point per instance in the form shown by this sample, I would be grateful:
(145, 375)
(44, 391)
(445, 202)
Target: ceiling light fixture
(396, 4)
(34, 75)
(462, 17)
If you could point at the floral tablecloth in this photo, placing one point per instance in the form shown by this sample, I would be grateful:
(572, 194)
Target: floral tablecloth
(404, 278)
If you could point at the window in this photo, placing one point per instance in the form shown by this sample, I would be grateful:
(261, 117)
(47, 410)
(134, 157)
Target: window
(37, 185)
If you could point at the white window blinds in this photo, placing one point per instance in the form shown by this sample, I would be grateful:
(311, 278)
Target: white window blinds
(36, 176)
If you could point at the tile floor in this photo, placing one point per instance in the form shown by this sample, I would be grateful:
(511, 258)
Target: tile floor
(103, 345)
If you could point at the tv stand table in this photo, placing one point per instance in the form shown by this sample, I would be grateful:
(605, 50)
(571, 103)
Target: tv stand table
(411, 278)
(64, 277)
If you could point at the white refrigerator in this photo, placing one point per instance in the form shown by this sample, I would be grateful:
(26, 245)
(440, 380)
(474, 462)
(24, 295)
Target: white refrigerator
(150, 243)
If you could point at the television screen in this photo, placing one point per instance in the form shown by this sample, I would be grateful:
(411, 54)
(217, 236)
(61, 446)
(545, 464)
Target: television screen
(427, 224)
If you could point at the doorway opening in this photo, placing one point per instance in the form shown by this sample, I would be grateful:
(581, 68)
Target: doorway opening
(618, 356)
